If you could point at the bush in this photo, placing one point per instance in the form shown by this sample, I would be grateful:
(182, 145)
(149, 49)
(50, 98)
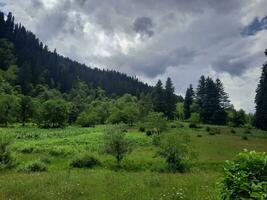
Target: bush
(208, 129)
(195, 118)
(156, 139)
(116, 144)
(245, 177)
(88, 119)
(142, 129)
(192, 125)
(59, 151)
(244, 137)
(176, 151)
(214, 131)
(179, 125)
(34, 166)
(247, 131)
(26, 149)
(199, 135)
(155, 121)
(173, 126)
(233, 131)
(85, 161)
(149, 132)
(6, 160)
(53, 114)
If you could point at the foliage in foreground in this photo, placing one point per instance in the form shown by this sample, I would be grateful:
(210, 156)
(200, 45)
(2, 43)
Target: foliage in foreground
(115, 143)
(6, 159)
(34, 166)
(177, 152)
(245, 177)
(85, 161)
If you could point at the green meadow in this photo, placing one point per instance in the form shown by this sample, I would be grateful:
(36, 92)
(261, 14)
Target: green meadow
(141, 175)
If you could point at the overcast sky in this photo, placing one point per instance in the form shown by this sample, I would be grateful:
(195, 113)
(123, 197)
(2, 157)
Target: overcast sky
(156, 39)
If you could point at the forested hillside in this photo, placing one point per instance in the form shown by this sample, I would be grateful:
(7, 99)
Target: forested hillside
(38, 65)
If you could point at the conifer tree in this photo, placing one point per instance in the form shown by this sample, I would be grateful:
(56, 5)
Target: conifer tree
(170, 99)
(188, 101)
(158, 97)
(212, 101)
(261, 100)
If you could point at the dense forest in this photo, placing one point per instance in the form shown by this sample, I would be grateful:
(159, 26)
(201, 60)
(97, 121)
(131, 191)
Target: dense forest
(38, 65)
(44, 88)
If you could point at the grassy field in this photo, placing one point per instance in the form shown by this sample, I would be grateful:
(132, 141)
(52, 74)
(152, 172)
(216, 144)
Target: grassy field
(139, 177)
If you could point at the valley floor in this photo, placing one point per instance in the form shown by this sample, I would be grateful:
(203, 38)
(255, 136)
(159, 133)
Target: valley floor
(140, 176)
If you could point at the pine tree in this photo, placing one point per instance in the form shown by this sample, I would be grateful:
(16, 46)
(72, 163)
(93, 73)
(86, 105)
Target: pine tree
(223, 96)
(170, 99)
(188, 102)
(261, 100)
(212, 101)
(158, 97)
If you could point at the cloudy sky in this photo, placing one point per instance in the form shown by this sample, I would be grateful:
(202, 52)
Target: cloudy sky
(156, 39)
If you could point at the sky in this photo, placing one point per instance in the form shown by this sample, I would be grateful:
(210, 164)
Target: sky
(155, 39)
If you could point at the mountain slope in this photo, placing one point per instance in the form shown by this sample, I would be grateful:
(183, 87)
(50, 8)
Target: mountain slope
(38, 65)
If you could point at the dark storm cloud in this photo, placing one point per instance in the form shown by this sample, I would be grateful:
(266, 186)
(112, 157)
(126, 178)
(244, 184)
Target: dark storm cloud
(144, 26)
(230, 65)
(37, 4)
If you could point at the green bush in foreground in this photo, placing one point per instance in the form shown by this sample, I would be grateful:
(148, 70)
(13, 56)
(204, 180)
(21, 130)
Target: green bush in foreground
(85, 161)
(6, 159)
(34, 166)
(176, 151)
(245, 177)
(116, 144)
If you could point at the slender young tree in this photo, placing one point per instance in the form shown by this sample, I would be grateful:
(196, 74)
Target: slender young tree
(261, 100)
(189, 96)
(170, 100)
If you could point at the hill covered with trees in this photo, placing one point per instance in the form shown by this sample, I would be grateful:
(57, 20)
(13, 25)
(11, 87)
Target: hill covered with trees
(39, 66)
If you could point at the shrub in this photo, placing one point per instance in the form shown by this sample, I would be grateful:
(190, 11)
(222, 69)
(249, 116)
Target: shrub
(192, 125)
(85, 161)
(26, 149)
(156, 139)
(247, 131)
(177, 152)
(149, 132)
(173, 126)
(208, 129)
(179, 125)
(116, 144)
(142, 129)
(244, 137)
(155, 121)
(199, 135)
(58, 151)
(245, 177)
(34, 166)
(53, 114)
(214, 131)
(233, 131)
(6, 159)
(195, 118)
(88, 119)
